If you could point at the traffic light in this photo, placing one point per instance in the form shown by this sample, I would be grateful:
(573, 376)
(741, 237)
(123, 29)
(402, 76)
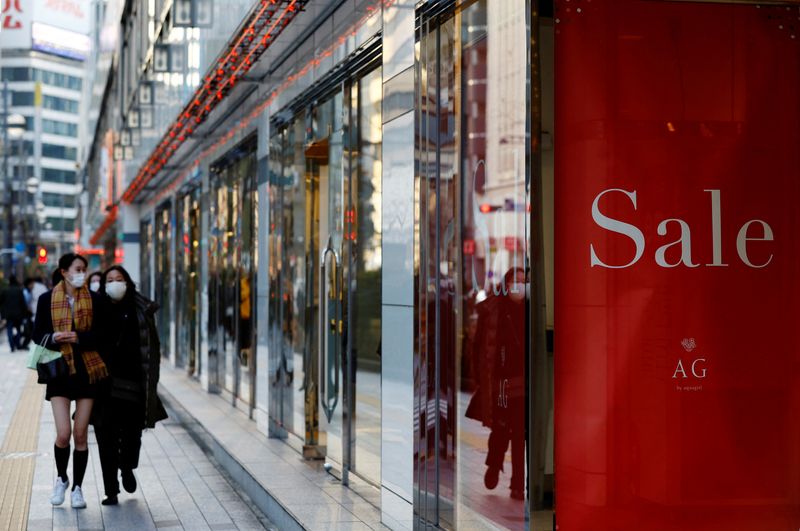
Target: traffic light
(42, 255)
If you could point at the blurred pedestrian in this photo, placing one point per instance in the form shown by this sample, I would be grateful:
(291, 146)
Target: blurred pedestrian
(94, 281)
(129, 403)
(72, 316)
(27, 321)
(14, 310)
(36, 288)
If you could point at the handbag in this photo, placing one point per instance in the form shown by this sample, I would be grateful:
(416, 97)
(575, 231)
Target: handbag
(49, 364)
(127, 390)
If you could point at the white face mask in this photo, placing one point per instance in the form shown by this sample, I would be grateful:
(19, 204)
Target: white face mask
(94, 285)
(518, 291)
(77, 280)
(116, 290)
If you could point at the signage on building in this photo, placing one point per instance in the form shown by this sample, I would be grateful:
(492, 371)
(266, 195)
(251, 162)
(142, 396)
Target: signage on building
(18, 19)
(677, 369)
(12, 15)
(71, 15)
(15, 23)
(57, 41)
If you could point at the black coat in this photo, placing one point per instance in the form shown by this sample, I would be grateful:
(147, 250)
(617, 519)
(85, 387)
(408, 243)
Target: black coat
(150, 349)
(93, 339)
(12, 304)
(150, 360)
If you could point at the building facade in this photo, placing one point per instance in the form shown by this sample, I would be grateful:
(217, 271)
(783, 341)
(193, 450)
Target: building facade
(348, 211)
(45, 47)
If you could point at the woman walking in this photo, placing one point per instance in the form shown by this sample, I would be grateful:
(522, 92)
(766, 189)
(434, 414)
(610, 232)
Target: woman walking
(71, 315)
(131, 402)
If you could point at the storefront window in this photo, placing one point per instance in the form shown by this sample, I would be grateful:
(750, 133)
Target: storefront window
(473, 298)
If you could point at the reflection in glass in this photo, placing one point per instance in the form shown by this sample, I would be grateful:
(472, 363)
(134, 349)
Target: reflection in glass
(163, 276)
(363, 230)
(473, 269)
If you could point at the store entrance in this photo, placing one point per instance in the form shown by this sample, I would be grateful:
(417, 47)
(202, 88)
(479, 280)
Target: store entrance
(232, 245)
(326, 294)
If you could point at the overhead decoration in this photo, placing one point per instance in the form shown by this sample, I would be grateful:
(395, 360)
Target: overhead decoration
(256, 34)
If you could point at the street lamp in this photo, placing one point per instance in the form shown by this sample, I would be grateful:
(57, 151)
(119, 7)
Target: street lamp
(14, 128)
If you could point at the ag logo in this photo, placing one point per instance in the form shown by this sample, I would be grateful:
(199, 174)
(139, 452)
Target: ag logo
(696, 368)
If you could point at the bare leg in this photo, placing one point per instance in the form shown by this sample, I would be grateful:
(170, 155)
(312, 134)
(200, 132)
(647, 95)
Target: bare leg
(60, 407)
(83, 411)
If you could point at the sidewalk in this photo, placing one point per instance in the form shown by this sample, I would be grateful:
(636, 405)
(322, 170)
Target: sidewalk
(180, 487)
(292, 492)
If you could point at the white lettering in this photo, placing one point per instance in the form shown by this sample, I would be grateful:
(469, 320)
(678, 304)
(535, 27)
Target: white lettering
(679, 369)
(617, 226)
(685, 242)
(742, 239)
(694, 372)
(716, 228)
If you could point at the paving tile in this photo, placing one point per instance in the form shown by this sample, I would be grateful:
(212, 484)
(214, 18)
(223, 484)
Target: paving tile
(170, 459)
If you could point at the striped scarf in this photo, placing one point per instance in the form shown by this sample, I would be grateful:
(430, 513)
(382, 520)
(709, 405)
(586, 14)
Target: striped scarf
(81, 313)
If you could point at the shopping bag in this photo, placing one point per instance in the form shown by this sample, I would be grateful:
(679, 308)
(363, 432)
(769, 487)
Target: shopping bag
(40, 354)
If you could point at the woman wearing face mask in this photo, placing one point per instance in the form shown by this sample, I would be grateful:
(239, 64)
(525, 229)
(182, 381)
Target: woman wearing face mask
(94, 281)
(73, 318)
(130, 403)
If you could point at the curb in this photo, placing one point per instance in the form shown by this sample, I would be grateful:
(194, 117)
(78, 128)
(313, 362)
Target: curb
(261, 497)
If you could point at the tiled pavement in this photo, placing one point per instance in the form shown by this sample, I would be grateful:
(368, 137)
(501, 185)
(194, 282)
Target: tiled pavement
(180, 487)
(295, 493)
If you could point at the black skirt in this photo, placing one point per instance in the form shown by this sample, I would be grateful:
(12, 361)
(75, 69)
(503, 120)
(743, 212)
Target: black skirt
(75, 386)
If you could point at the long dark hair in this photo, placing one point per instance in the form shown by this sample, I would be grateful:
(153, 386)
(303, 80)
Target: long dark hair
(129, 292)
(64, 263)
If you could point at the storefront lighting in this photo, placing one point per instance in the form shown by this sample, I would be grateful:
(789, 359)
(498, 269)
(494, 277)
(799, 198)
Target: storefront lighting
(290, 80)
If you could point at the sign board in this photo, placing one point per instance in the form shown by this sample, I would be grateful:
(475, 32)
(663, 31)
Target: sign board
(677, 366)
(57, 41)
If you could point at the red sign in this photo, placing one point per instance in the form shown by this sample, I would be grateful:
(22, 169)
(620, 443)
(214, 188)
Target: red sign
(678, 287)
(12, 12)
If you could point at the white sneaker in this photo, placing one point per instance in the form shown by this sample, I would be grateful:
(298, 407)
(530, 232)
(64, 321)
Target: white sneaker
(77, 499)
(59, 488)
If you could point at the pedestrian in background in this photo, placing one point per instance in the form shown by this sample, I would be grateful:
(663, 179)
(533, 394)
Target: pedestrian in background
(94, 281)
(36, 288)
(27, 321)
(14, 310)
(72, 316)
(130, 402)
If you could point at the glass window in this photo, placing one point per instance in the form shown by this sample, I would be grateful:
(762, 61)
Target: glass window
(54, 79)
(16, 73)
(56, 127)
(55, 103)
(56, 151)
(60, 224)
(58, 200)
(21, 99)
(473, 298)
(58, 176)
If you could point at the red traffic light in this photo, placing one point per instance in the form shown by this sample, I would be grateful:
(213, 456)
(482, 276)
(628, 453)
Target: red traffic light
(42, 254)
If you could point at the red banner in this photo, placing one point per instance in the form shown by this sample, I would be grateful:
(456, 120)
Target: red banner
(678, 257)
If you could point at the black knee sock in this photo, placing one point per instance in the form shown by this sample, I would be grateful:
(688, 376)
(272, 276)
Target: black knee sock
(79, 460)
(62, 460)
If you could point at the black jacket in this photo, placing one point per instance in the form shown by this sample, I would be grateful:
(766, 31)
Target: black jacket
(150, 363)
(150, 349)
(12, 303)
(93, 339)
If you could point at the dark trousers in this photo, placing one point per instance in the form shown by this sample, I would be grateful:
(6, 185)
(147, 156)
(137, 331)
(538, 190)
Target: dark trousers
(508, 427)
(119, 440)
(14, 331)
(27, 332)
